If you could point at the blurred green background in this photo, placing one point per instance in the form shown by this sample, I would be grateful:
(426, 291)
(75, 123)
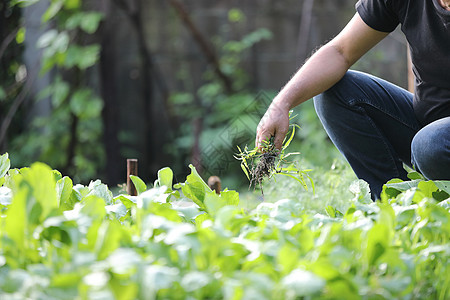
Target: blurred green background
(84, 85)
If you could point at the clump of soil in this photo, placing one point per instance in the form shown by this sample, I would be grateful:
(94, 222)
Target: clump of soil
(264, 168)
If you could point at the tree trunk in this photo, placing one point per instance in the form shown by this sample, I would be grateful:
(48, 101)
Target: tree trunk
(304, 30)
(110, 112)
(203, 44)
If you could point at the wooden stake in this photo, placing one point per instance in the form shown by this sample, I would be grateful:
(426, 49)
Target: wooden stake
(132, 169)
(215, 184)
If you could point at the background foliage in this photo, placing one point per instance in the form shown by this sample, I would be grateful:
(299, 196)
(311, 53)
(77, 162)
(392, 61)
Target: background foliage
(69, 136)
(188, 92)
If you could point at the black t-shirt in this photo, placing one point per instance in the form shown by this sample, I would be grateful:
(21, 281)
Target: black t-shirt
(426, 25)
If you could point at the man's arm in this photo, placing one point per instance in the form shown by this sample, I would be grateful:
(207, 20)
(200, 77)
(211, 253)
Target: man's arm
(324, 69)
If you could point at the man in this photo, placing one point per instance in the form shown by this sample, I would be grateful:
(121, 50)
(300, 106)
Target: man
(376, 125)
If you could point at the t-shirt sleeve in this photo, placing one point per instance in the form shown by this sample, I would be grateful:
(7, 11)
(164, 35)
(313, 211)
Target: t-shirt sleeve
(378, 14)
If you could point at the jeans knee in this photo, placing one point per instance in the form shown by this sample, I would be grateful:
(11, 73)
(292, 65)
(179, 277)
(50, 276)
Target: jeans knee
(325, 103)
(338, 95)
(320, 103)
(430, 153)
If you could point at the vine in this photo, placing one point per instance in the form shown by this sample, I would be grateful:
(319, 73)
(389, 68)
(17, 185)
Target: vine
(70, 136)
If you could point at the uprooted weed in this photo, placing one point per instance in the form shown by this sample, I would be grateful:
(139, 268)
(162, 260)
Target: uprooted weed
(264, 168)
(263, 162)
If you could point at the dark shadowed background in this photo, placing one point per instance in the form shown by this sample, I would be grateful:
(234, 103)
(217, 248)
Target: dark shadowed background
(84, 85)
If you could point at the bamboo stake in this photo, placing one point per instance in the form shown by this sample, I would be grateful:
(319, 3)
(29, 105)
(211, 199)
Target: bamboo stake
(132, 169)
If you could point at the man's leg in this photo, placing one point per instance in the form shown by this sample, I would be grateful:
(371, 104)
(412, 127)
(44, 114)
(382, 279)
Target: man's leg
(372, 123)
(431, 150)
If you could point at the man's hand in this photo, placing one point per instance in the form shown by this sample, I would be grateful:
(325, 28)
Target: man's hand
(275, 122)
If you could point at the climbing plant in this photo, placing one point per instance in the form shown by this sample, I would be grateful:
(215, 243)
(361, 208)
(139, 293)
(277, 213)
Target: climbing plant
(69, 137)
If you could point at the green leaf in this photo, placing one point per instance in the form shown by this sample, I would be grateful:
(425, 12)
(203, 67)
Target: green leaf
(90, 55)
(52, 10)
(445, 204)
(65, 280)
(235, 15)
(23, 3)
(66, 197)
(14, 282)
(139, 184)
(195, 280)
(300, 179)
(427, 187)
(41, 187)
(244, 168)
(5, 195)
(396, 284)
(97, 188)
(72, 4)
(159, 277)
(94, 207)
(288, 142)
(330, 211)
(47, 38)
(20, 36)
(16, 219)
(400, 185)
(195, 188)
(55, 46)
(415, 175)
(90, 21)
(195, 177)
(230, 197)
(186, 209)
(74, 21)
(361, 190)
(79, 102)
(165, 178)
(82, 57)
(109, 238)
(87, 21)
(303, 283)
(377, 242)
(288, 257)
(213, 203)
(443, 185)
(126, 201)
(196, 192)
(5, 164)
(85, 105)
(201, 218)
(59, 92)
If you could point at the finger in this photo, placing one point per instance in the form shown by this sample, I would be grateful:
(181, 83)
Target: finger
(259, 143)
(258, 136)
(264, 137)
(257, 140)
(279, 137)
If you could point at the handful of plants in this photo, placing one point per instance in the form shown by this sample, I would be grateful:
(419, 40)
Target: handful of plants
(263, 163)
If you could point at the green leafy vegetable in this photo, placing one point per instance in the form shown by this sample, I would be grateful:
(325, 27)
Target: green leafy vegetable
(59, 240)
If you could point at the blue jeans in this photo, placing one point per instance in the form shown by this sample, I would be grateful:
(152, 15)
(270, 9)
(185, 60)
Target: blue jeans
(372, 123)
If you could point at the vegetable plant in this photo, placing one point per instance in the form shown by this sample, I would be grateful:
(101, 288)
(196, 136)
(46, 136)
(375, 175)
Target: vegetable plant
(61, 240)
